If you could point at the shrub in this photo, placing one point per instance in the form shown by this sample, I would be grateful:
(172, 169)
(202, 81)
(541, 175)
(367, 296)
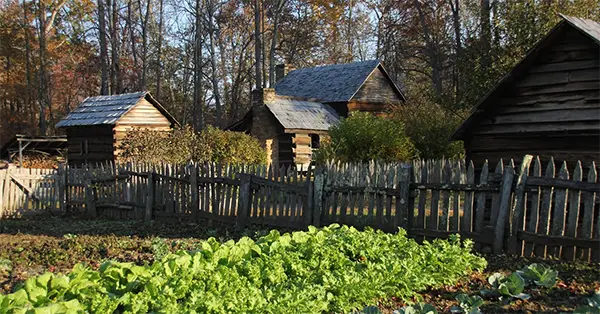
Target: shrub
(183, 145)
(429, 127)
(363, 137)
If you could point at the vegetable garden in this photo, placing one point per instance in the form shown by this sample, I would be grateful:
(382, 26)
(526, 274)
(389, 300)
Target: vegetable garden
(102, 267)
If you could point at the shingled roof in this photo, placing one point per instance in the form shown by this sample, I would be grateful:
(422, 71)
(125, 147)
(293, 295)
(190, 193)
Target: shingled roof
(331, 83)
(107, 110)
(587, 27)
(303, 115)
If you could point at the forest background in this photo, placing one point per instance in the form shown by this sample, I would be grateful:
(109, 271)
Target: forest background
(198, 57)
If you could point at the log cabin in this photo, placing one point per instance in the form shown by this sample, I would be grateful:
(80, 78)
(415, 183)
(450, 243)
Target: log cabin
(290, 119)
(97, 125)
(547, 105)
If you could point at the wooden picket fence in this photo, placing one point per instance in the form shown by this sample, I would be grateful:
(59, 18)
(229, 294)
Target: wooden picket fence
(524, 210)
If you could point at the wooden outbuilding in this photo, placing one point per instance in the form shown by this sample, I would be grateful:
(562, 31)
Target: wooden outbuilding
(290, 119)
(548, 105)
(96, 127)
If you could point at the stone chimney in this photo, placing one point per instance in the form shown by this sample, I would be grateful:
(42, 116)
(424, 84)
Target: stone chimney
(281, 70)
(261, 96)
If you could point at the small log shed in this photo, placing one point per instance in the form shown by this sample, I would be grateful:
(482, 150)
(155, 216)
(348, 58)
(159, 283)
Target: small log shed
(547, 105)
(96, 127)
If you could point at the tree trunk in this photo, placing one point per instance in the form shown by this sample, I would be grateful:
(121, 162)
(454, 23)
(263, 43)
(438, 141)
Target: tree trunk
(115, 73)
(280, 4)
(486, 32)
(198, 112)
(132, 38)
(159, 49)
(144, 21)
(104, 71)
(257, 44)
(213, 62)
(28, 89)
(43, 88)
(455, 7)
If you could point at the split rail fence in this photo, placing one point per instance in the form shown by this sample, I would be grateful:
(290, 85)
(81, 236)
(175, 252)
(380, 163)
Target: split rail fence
(537, 209)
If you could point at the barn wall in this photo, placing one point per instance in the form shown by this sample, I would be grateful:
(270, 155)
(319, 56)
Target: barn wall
(89, 144)
(553, 110)
(376, 90)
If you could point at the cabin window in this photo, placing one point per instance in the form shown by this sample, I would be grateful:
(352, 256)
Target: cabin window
(315, 141)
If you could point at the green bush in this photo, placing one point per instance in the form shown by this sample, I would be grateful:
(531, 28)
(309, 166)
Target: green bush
(429, 127)
(183, 145)
(334, 269)
(363, 137)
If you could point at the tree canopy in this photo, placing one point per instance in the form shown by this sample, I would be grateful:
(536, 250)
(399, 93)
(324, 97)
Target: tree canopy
(198, 57)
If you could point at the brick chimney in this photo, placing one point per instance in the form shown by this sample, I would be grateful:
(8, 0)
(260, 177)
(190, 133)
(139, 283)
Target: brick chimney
(281, 70)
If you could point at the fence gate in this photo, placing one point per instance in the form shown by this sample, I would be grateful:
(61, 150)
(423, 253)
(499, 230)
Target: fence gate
(25, 191)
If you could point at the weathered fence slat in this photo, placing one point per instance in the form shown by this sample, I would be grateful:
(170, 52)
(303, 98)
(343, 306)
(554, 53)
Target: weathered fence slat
(572, 219)
(544, 222)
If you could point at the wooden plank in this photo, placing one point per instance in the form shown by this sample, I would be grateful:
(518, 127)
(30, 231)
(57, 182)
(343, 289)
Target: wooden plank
(554, 241)
(503, 209)
(445, 215)
(467, 220)
(422, 196)
(517, 214)
(533, 219)
(459, 177)
(495, 196)
(195, 206)
(573, 218)
(390, 224)
(380, 197)
(544, 222)
(560, 210)
(318, 196)
(244, 201)
(435, 177)
(565, 184)
(587, 223)
(403, 204)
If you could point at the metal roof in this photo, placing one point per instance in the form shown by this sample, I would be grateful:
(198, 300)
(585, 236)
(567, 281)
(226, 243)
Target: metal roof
(588, 27)
(303, 115)
(107, 110)
(331, 83)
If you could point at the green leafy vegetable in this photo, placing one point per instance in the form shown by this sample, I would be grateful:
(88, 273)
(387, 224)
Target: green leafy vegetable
(467, 304)
(420, 308)
(332, 269)
(593, 306)
(540, 275)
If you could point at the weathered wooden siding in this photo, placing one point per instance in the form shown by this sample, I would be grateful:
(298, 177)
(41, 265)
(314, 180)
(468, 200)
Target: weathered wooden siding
(143, 115)
(90, 144)
(552, 110)
(377, 90)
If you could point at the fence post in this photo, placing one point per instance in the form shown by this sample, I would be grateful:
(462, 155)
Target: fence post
(243, 201)
(503, 210)
(405, 210)
(194, 187)
(61, 184)
(317, 200)
(150, 197)
(90, 202)
(517, 213)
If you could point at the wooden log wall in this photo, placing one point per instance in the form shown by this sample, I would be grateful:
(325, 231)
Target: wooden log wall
(553, 110)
